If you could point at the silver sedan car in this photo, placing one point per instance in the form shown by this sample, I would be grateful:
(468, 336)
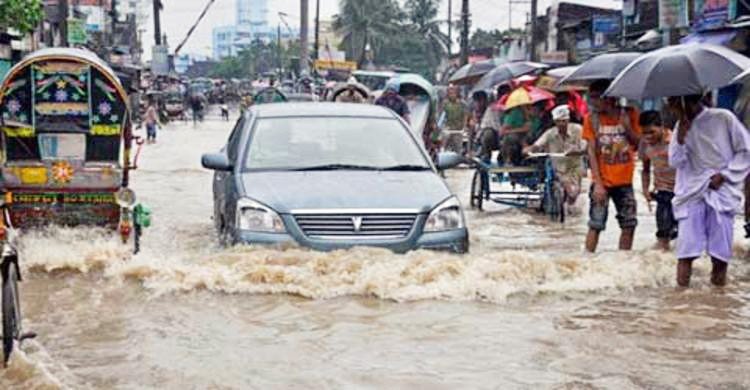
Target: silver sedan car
(330, 176)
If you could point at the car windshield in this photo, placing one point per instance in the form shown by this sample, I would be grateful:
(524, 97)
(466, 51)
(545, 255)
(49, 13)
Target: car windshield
(326, 143)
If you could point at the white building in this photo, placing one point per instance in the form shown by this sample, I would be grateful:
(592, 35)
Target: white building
(251, 24)
(140, 8)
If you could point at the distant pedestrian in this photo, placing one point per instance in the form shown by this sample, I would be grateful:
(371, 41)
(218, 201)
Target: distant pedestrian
(455, 116)
(654, 153)
(613, 135)
(711, 152)
(391, 99)
(152, 120)
(197, 105)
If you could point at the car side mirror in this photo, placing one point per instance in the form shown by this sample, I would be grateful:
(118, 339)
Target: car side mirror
(216, 162)
(448, 160)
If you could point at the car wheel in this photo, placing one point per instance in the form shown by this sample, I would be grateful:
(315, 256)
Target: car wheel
(463, 247)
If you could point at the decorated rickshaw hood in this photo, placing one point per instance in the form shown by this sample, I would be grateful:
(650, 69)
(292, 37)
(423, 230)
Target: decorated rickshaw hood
(71, 54)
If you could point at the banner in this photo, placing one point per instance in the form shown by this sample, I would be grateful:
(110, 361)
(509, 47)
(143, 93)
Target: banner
(673, 14)
(336, 65)
(604, 29)
(77, 34)
(713, 14)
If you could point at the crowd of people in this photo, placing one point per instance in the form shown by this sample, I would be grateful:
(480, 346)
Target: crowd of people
(695, 173)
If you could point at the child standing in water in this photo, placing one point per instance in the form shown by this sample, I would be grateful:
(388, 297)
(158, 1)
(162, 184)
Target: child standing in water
(654, 153)
(152, 118)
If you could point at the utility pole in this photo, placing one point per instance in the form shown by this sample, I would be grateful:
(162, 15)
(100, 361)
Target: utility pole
(511, 3)
(450, 27)
(62, 9)
(533, 56)
(113, 30)
(304, 56)
(157, 22)
(317, 30)
(465, 24)
(278, 47)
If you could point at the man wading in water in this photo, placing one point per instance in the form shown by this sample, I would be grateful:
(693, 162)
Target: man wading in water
(613, 135)
(711, 152)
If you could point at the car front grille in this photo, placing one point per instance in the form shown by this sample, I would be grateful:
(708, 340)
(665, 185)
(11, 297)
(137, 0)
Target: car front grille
(356, 226)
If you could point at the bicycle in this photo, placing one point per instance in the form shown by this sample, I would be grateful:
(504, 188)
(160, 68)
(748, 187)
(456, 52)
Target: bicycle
(11, 303)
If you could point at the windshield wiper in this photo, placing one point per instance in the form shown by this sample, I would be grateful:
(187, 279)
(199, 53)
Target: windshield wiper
(406, 167)
(336, 167)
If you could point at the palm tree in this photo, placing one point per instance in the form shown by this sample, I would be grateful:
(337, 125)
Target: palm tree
(363, 22)
(423, 16)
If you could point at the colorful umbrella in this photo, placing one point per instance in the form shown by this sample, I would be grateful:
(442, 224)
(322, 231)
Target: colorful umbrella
(521, 97)
(507, 72)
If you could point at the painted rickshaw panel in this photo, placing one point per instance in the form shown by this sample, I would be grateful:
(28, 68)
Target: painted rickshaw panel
(65, 139)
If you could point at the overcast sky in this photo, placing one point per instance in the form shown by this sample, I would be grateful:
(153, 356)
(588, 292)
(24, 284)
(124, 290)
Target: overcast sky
(179, 15)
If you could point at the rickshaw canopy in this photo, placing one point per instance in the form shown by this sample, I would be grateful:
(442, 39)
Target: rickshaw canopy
(66, 138)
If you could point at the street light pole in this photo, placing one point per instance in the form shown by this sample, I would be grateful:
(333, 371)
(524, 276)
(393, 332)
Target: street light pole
(317, 30)
(304, 52)
(62, 8)
(533, 56)
(450, 27)
(157, 22)
(465, 23)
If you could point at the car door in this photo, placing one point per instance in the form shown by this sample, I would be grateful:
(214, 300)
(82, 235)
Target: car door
(224, 183)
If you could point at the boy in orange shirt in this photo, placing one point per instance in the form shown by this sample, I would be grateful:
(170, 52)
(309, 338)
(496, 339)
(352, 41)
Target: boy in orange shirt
(613, 135)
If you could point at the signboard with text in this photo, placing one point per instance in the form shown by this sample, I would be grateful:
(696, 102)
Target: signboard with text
(555, 57)
(714, 14)
(336, 65)
(604, 29)
(160, 60)
(77, 34)
(673, 14)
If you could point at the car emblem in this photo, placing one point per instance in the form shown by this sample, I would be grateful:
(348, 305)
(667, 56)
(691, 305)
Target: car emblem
(357, 221)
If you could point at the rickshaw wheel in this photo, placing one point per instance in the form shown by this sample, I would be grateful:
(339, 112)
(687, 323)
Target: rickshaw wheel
(11, 310)
(477, 189)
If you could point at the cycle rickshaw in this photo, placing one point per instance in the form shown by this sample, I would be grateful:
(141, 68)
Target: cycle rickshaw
(65, 158)
(528, 186)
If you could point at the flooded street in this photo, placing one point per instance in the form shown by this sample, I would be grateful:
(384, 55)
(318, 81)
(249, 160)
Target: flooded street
(525, 309)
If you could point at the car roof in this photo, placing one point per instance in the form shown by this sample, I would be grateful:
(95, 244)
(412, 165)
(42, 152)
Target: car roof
(379, 73)
(308, 109)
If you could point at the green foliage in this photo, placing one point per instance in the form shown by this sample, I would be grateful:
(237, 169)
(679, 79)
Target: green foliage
(258, 58)
(491, 38)
(22, 15)
(360, 22)
(408, 37)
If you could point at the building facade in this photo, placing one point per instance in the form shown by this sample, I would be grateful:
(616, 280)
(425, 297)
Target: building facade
(251, 24)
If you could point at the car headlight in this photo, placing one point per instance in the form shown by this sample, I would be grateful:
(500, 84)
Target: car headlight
(256, 217)
(447, 216)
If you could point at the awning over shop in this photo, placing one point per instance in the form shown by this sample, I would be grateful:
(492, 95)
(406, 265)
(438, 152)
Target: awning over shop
(713, 37)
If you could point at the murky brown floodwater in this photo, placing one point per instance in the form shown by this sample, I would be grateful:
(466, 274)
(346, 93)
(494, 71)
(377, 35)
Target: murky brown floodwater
(526, 309)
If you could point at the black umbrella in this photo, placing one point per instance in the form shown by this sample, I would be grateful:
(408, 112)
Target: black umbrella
(689, 69)
(470, 73)
(507, 72)
(605, 66)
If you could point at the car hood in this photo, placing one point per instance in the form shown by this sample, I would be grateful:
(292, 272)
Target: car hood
(287, 191)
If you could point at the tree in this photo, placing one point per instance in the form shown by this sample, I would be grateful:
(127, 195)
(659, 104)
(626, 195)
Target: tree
(22, 15)
(491, 38)
(256, 58)
(363, 22)
(423, 17)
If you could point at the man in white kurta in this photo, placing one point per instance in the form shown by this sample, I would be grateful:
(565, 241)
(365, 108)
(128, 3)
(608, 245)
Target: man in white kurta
(711, 154)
